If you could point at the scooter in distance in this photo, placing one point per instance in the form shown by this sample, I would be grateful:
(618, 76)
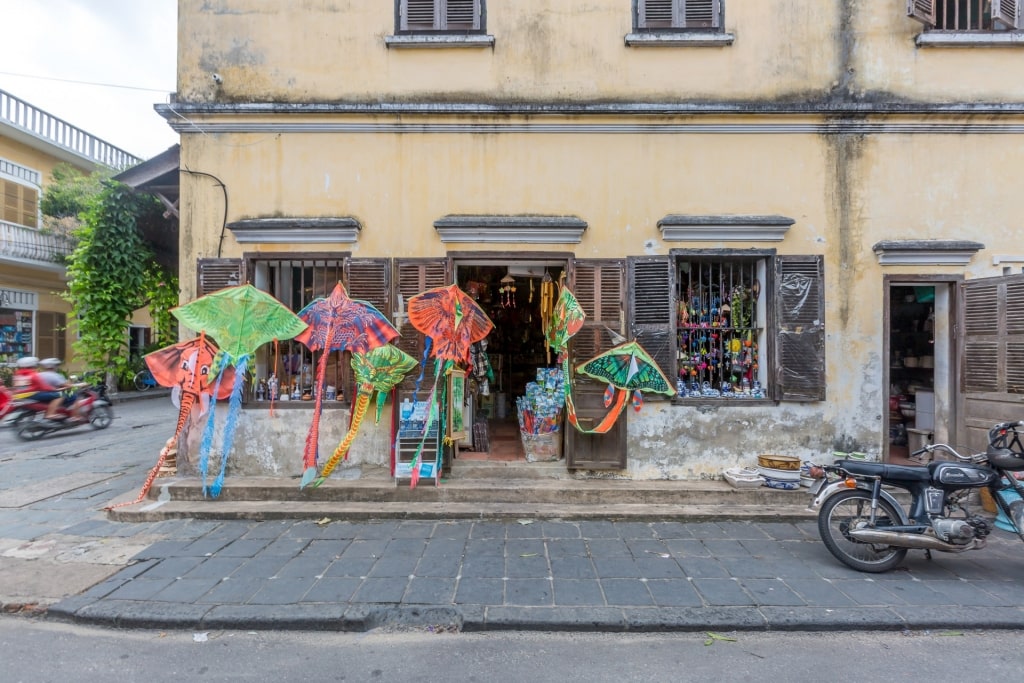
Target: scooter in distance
(866, 528)
(95, 409)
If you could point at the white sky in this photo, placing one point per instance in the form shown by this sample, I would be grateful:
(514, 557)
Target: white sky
(115, 42)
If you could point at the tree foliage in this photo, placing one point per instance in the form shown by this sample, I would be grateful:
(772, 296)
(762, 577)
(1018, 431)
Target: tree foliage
(70, 191)
(111, 273)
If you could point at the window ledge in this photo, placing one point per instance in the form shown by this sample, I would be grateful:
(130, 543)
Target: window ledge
(679, 228)
(926, 252)
(679, 39)
(970, 39)
(526, 229)
(296, 230)
(438, 40)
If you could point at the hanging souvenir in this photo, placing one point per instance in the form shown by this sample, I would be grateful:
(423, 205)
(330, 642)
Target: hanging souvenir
(508, 292)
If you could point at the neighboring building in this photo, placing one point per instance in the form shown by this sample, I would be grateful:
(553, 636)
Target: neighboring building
(33, 316)
(782, 200)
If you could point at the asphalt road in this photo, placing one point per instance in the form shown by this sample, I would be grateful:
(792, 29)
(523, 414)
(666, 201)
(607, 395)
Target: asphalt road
(82, 654)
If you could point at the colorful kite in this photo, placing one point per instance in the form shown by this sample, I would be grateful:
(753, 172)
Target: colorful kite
(452, 322)
(380, 370)
(187, 368)
(628, 369)
(337, 323)
(241, 319)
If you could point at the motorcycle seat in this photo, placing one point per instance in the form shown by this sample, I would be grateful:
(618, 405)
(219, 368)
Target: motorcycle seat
(886, 471)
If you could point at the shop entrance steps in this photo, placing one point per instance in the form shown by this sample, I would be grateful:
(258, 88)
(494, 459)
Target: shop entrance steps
(474, 490)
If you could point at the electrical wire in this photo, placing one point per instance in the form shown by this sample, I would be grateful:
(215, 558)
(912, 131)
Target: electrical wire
(224, 189)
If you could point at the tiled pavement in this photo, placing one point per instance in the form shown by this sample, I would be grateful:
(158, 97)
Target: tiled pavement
(586, 575)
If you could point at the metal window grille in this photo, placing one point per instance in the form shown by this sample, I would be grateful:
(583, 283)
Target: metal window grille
(718, 326)
(296, 283)
(964, 15)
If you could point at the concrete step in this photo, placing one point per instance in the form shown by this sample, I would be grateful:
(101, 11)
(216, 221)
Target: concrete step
(259, 510)
(375, 494)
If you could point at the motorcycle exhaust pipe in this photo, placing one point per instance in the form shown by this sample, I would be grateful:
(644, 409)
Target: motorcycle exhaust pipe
(914, 541)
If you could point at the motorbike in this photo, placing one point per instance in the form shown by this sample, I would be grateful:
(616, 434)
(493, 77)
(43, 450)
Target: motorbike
(865, 527)
(13, 408)
(95, 409)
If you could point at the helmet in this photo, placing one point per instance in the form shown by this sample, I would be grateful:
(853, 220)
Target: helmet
(50, 362)
(28, 362)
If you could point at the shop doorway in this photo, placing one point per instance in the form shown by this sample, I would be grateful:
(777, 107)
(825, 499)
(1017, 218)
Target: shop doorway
(512, 293)
(919, 372)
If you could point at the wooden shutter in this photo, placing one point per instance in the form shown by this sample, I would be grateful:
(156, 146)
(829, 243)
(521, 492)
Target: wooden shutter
(701, 13)
(419, 15)
(20, 204)
(1007, 13)
(651, 310)
(462, 15)
(656, 13)
(599, 287)
(993, 356)
(414, 276)
(217, 273)
(369, 280)
(922, 10)
(800, 328)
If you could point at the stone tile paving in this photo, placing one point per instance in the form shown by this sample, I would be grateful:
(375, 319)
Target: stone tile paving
(601, 575)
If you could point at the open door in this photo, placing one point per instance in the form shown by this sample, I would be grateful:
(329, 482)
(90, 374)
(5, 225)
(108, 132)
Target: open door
(599, 286)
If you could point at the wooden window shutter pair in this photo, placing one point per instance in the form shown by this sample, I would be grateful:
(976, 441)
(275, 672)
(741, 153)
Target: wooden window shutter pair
(440, 15)
(676, 14)
(1004, 12)
(414, 276)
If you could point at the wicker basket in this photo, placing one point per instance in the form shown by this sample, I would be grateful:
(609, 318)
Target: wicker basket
(779, 462)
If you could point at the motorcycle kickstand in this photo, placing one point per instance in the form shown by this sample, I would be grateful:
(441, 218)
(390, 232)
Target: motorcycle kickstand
(928, 554)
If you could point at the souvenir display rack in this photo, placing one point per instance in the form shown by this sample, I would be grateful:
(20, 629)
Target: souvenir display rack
(411, 423)
(718, 330)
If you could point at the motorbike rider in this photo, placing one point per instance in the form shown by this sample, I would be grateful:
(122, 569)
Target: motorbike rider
(69, 398)
(28, 380)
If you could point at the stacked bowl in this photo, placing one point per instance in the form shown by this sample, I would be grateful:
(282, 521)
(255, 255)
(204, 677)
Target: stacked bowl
(779, 471)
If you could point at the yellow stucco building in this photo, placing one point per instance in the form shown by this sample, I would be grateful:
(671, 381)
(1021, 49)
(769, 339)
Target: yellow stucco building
(33, 316)
(805, 211)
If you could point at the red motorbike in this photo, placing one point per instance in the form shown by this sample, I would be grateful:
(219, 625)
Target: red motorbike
(94, 407)
(13, 408)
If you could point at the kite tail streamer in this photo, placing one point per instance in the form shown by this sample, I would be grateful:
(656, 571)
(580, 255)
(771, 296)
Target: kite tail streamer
(207, 443)
(423, 369)
(414, 466)
(358, 411)
(234, 408)
(310, 454)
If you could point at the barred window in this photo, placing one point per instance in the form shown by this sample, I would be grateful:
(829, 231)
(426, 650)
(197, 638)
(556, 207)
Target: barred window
(967, 15)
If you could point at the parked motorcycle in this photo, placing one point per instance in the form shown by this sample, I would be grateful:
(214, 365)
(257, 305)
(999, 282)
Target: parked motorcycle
(95, 409)
(864, 526)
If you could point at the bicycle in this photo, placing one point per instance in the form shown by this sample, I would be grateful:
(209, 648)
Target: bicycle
(144, 380)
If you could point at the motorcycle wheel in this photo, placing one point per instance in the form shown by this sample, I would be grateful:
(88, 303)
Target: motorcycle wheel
(101, 417)
(31, 430)
(851, 509)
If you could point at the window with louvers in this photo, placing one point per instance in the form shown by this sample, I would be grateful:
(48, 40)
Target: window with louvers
(678, 14)
(20, 204)
(967, 15)
(440, 15)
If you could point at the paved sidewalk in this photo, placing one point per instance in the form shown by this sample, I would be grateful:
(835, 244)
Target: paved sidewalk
(586, 575)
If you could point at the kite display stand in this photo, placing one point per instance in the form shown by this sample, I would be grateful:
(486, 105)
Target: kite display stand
(410, 433)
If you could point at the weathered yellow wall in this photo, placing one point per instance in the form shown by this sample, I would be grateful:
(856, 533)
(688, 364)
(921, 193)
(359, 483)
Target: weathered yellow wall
(553, 50)
(845, 191)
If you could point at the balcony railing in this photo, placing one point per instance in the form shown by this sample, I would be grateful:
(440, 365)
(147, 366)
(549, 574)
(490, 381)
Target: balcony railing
(38, 123)
(28, 244)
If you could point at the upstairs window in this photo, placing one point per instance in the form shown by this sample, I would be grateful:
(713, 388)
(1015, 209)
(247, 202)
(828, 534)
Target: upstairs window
(20, 204)
(435, 16)
(967, 15)
(678, 15)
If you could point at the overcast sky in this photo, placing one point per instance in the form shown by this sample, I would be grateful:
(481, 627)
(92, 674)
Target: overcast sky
(114, 42)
